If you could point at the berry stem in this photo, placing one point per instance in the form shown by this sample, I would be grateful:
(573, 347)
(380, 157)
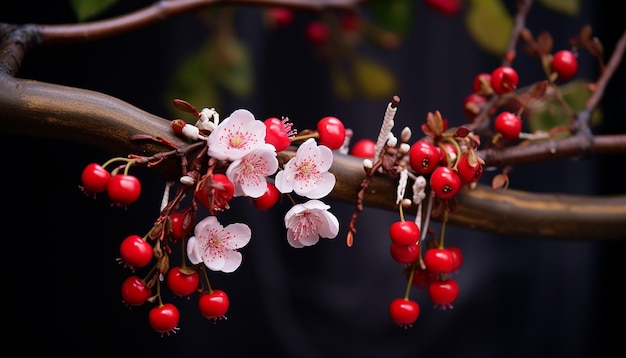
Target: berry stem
(183, 261)
(305, 137)
(293, 202)
(410, 282)
(458, 150)
(206, 279)
(159, 293)
(443, 228)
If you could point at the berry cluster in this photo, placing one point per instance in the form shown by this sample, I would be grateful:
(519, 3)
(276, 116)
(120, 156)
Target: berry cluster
(239, 157)
(441, 163)
(236, 157)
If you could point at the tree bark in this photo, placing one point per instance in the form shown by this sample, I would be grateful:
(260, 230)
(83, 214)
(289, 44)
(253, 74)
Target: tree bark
(36, 109)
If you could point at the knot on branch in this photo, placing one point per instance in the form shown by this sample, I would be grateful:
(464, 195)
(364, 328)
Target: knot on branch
(16, 40)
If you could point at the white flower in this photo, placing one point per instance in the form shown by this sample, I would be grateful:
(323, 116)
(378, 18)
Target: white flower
(307, 222)
(248, 173)
(307, 173)
(216, 245)
(208, 119)
(236, 136)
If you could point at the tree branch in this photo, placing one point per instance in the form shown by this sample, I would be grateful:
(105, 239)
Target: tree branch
(160, 11)
(32, 108)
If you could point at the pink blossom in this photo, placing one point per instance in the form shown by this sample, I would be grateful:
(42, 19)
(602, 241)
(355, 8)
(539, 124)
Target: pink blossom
(249, 173)
(307, 222)
(307, 173)
(216, 245)
(236, 136)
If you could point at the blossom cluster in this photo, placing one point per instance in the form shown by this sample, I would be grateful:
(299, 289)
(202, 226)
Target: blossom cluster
(239, 142)
(220, 160)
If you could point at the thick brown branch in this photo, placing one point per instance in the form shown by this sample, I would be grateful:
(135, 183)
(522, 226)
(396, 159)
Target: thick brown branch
(36, 109)
(509, 212)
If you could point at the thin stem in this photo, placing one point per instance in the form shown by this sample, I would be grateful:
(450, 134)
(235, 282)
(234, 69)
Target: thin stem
(206, 279)
(410, 282)
(443, 228)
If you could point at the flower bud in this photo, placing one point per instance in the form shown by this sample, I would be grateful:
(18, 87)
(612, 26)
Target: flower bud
(191, 132)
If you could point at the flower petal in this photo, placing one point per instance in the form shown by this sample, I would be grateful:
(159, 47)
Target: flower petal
(232, 261)
(193, 253)
(239, 235)
(236, 136)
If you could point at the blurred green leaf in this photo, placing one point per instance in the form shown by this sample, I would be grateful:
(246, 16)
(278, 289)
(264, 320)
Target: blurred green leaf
(342, 88)
(550, 113)
(230, 60)
(393, 15)
(375, 81)
(567, 7)
(86, 9)
(490, 25)
(194, 82)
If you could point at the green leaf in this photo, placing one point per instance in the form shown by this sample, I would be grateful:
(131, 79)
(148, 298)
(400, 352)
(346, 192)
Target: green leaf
(550, 113)
(87, 9)
(567, 7)
(374, 81)
(342, 88)
(490, 25)
(230, 60)
(393, 15)
(193, 82)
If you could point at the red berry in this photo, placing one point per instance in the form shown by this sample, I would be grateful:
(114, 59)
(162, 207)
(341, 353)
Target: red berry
(565, 64)
(445, 7)
(445, 182)
(404, 312)
(214, 305)
(423, 157)
(269, 198)
(332, 132)
(123, 189)
(439, 260)
(467, 171)
(508, 124)
(135, 292)
(364, 148)
(448, 154)
(178, 125)
(135, 251)
(214, 192)
(317, 32)
(277, 133)
(443, 292)
(182, 282)
(504, 79)
(482, 84)
(164, 318)
(404, 232)
(280, 16)
(473, 105)
(181, 224)
(421, 277)
(404, 254)
(350, 21)
(95, 178)
(457, 255)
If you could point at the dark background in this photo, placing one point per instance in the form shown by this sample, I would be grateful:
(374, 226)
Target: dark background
(519, 297)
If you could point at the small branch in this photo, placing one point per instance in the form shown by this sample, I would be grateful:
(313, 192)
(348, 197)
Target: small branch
(574, 146)
(162, 10)
(616, 59)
